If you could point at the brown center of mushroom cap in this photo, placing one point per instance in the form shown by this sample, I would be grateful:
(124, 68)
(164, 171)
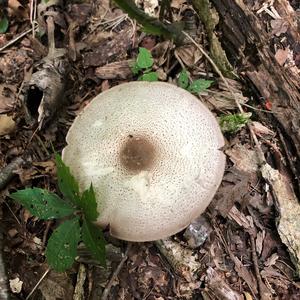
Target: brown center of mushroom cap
(137, 154)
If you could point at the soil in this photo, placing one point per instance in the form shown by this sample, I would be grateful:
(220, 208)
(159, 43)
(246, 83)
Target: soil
(235, 249)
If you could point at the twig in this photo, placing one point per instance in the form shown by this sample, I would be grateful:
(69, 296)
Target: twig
(115, 274)
(256, 268)
(48, 225)
(7, 173)
(38, 283)
(15, 39)
(81, 276)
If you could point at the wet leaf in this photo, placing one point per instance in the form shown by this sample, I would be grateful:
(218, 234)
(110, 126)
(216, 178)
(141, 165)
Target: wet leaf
(66, 181)
(62, 245)
(88, 204)
(42, 203)
(93, 238)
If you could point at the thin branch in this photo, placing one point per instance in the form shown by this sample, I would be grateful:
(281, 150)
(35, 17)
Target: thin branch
(38, 283)
(115, 274)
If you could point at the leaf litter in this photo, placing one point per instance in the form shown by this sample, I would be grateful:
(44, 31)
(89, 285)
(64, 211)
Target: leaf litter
(243, 209)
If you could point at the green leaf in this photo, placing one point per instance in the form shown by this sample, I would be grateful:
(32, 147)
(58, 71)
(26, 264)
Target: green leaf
(233, 123)
(66, 182)
(183, 79)
(88, 204)
(135, 69)
(93, 238)
(4, 24)
(199, 85)
(144, 59)
(62, 245)
(151, 76)
(42, 203)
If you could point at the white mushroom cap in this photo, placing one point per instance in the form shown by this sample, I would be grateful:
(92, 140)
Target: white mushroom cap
(152, 152)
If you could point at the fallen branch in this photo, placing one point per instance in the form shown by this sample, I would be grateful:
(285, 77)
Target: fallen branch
(8, 172)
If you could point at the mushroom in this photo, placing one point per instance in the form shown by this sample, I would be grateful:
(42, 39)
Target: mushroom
(153, 154)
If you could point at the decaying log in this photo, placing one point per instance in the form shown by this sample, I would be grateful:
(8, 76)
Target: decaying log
(247, 44)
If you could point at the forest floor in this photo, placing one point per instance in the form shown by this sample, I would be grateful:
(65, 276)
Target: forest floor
(232, 251)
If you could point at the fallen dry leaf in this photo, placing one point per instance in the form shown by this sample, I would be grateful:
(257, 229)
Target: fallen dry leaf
(279, 26)
(261, 130)
(7, 97)
(116, 70)
(7, 124)
(244, 159)
(177, 3)
(189, 54)
(57, 286)
(281, 56)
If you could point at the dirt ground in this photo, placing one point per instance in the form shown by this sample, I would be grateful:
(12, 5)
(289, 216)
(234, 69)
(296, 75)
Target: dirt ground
(233, 251)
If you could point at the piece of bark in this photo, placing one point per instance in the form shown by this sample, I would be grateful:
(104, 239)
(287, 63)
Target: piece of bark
(8, 172)
(246, 42)
(116, 70)
(219, 287)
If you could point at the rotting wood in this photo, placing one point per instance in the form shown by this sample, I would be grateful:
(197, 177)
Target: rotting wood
(8, 172)
(43, 94)
(243, 37)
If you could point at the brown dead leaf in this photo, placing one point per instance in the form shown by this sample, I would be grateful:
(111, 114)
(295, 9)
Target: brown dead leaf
(18, 9)
(189, 54)
(80, 12)
(261, 130)
(57, 286)
(244, 159)
(7, 97)
(177, 3)
(271, 260)
(234, 188)
(217, 284)
(281, 56)
(109, 50)
(116, 70)
(7, 124)
(279, 26)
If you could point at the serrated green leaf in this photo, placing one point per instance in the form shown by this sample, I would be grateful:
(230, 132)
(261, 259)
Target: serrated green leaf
(42, 203)
(151, 76)
(144, 59)
(199, 85)
(93, 238)
(66, 181)
(234, 122)
(183, 79)
(62, 245)
(4, 24)
(88, 204)
(135, 69)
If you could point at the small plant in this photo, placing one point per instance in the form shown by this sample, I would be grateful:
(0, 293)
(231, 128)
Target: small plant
(233, 123)
(195, 86)
(80, 211)
(3, 23)
(143, 64)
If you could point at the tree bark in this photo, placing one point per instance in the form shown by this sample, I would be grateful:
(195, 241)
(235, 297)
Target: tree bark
(247, 45)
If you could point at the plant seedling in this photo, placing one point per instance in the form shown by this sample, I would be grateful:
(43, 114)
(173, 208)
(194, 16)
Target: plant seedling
(3, 24)
(80, 211)
(234, 122)
(143, 64)
(195, 86)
